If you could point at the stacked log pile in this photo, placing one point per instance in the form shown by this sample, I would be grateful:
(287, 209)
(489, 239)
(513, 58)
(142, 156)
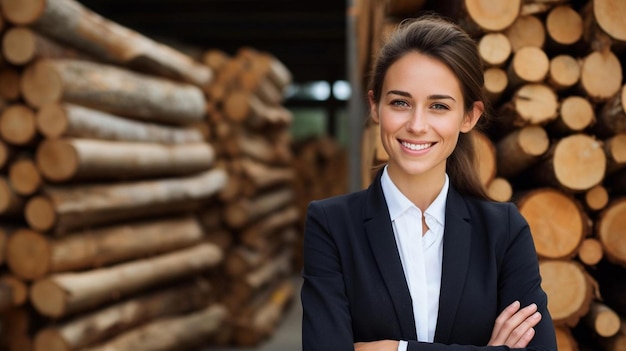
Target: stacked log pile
(140, 188)
(259, 205)
(554, 73)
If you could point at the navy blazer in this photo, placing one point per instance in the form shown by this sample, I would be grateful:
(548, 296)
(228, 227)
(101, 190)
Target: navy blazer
(354, 287)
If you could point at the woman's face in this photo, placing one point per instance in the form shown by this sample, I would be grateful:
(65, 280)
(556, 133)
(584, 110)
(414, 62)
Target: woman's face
(421, 114)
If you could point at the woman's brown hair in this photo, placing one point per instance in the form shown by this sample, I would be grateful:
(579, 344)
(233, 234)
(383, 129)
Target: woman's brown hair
(445, 41)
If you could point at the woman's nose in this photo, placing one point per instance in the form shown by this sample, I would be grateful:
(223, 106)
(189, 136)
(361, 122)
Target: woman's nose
(417, 123)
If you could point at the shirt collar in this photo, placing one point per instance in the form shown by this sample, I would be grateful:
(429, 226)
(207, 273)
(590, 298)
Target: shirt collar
(397, 203)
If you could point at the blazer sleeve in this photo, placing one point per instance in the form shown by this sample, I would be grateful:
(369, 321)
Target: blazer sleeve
(326, 322)
(518, 279)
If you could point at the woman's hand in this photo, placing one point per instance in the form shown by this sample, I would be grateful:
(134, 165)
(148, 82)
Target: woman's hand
(382, 345)
(514, 326)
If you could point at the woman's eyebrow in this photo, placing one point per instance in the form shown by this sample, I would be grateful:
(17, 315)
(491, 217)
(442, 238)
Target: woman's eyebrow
(440, 97)
(399, 92)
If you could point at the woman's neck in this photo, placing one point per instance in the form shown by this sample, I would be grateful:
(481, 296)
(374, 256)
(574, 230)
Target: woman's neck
(420, 189)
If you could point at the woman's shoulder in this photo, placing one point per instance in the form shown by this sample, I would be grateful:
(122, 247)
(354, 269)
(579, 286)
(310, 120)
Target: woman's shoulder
(342, 200)
(493, 211)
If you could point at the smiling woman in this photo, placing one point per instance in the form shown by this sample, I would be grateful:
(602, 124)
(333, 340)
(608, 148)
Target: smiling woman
(421, 260)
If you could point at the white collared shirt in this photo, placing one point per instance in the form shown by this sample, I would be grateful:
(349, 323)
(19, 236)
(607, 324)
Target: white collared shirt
(421, 255)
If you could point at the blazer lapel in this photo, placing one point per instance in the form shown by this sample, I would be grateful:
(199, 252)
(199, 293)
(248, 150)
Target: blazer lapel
(379, 231)
(456, 249)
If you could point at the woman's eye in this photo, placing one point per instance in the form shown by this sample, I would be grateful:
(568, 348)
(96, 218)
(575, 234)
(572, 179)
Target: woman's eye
(399, 103)
(438, 106)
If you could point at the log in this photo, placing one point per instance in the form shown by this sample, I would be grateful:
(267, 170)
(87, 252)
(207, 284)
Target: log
(260, 177)
(10, 83)
(496, 82)
(19, 289)
(575, 115)
(494, 49)
(69, 22)
(263, 321)
(615, 149)
(6, 297)
(611, 231)
(270, 271)
(111, 89)
(243, 107)
(557, 222)
(527, 30)
(243, 259)
(590, 252)
(257, 234)
(68, 120)
(6, 154)
(17, 125)
(602, 319)
(266, 62)
(485, 153)
(607, 13)
(529, 64)
(185, 332)
(500, 189)
(22, 45)
(490, 15)
(612, 116)
(63, 160)
(62, 294)
(243, 212)
(258, 147)
(531, 104)
(565, 341)
(11, 204)
(65, 208)
(99, 247)
(105, 323)
(564, 26)
(24, 176)
(596, 198)
(601, 75)
(519, 150)
(404, 8)
(563, 72)
(566, 306)
(616, 342)
(574, 163)
(16, 335)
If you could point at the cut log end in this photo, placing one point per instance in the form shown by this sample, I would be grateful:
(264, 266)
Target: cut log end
(496, 81)
(564, 25)
(17, 125)
(579, 162)
(566, 306)
(48, 298)
(526, 31)
(57, 160)
(18, 45)
(24, 177)
(612, 231)
(577, 113)
(534, 140)
(500, 189)
(52, 120)
(555, 220)
(531, 64)
(28, 254)
(50, 339)
(597, 198)
(22, 12)
(610, 17)
(564, 71)
(493, 15)
(536, 103)
(494, 48)
(40, 214)
(601, 75)
(41, 84)
(590, 252)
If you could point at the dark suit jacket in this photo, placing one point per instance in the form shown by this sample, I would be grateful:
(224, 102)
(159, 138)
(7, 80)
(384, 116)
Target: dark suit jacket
(354, 287)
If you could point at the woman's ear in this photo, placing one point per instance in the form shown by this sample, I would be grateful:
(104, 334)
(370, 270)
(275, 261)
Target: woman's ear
(373, 107)
(472, 117)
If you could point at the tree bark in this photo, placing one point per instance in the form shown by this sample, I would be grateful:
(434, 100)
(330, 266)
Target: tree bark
(254, 235)
(112, 89)
(245, 211)
(99, 247)
(104, 324)
(68, 120)
(66, 293)
(184, 332)
(612, 116)
(11, 204)
(22, 45)
(69, 22)
(557, 222)
(63, 160)
(62, 209)
(520, 149)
